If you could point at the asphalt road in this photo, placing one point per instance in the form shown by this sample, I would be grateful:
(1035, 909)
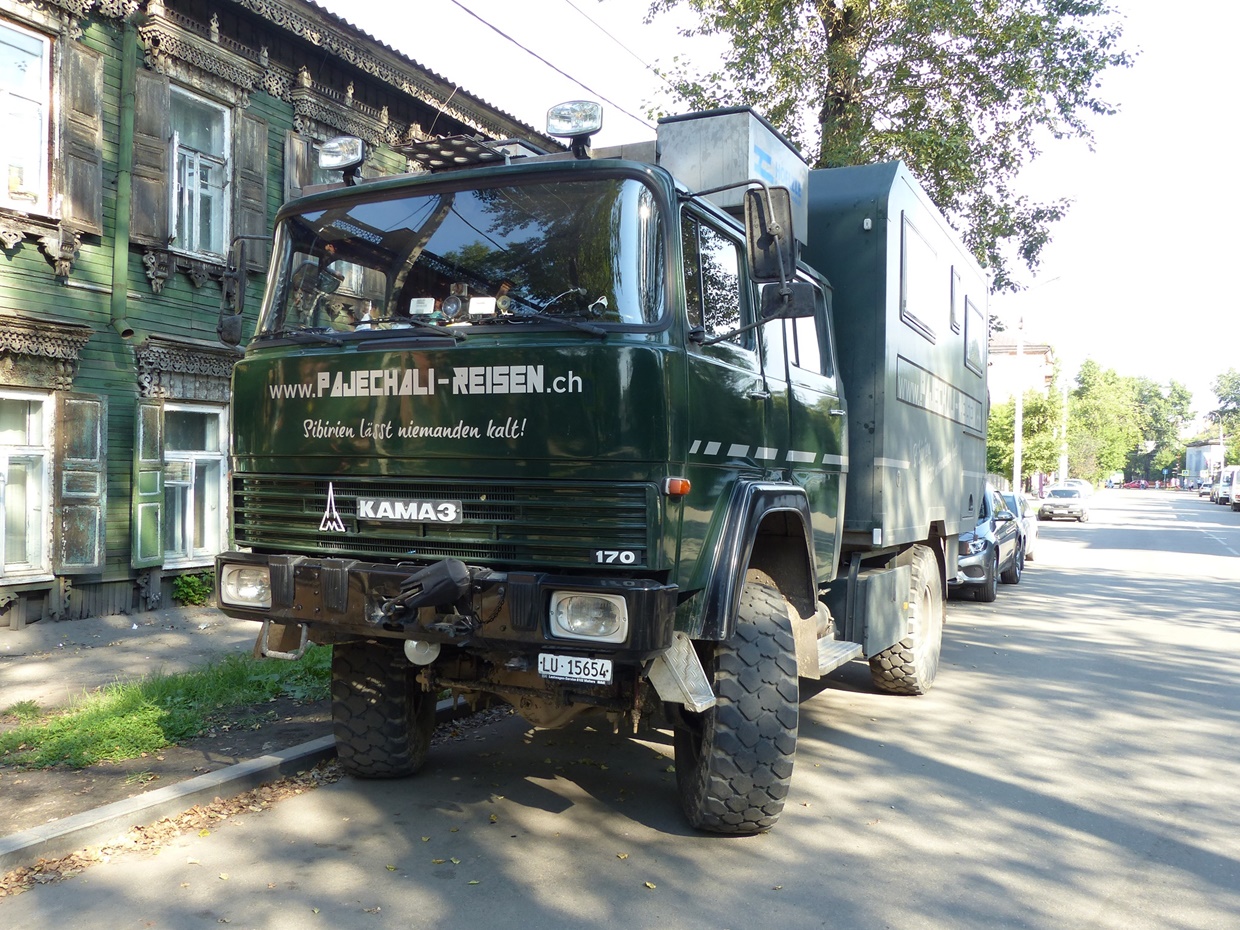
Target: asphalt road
(1076, 766)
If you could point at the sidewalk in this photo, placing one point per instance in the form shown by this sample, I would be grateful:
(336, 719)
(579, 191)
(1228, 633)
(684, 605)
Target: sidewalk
(52, 663)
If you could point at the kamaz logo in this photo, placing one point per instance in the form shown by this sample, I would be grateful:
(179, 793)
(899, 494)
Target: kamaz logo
(371, 508)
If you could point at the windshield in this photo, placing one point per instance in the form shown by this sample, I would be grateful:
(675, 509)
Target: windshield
(588, 251)
(1065, 492)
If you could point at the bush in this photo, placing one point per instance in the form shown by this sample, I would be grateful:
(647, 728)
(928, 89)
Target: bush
(194, 590)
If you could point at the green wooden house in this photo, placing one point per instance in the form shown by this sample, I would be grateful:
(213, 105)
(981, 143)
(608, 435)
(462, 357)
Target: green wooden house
(139, 138)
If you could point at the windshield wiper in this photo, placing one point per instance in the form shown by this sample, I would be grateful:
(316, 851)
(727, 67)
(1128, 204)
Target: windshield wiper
(375, 327)
(308, 335)
(527, 313)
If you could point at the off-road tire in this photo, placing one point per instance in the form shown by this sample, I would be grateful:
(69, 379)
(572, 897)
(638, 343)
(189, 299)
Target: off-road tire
(734, 760)
(988, 591)
(912, 664)
(381, 717)
(1012, 575)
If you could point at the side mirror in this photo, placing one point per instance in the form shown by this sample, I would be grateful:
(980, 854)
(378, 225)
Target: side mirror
(232, 296)
(769, 241)
(791, 301)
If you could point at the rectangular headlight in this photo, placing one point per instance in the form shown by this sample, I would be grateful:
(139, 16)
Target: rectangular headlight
(246, 586)
(574, 118)
(342, 152)
(600, 617)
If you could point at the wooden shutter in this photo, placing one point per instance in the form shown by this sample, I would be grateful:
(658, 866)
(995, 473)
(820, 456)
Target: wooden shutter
(81, 132)
(81, 483)
(152, 126)
(250, 174)
(298, 164)
(147, 504)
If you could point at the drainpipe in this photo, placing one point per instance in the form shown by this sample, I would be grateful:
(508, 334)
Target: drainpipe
(124, 182)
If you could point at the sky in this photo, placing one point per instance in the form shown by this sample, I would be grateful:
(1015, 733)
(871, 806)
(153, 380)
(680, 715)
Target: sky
(1136, 277)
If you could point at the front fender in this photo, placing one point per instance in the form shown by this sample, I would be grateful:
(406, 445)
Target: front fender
(750, 504)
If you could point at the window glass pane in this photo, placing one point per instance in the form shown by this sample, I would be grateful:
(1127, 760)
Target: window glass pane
(199, 125)
(23, 512)
(206, 507)
(693, 271)
(191, 431)
(918, 282)
(809, 354)
(15, 505)
(21, 63)
(24, 86)
(721, 295)
(20, 421)
(176, 502)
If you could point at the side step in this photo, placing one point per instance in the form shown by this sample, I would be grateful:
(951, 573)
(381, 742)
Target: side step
(832, 653)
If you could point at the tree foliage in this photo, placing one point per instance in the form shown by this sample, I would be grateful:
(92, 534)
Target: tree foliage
(1226, 388)
(964, 91)
(1041, 434)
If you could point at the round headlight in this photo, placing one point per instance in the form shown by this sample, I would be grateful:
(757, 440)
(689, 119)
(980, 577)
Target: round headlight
(451, 307)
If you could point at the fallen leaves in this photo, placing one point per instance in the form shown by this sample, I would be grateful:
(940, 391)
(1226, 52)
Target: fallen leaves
(153, 836)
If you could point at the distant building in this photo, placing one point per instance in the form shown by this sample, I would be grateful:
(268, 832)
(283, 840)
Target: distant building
(1032, 370)
(140, 137)
(1203, 458)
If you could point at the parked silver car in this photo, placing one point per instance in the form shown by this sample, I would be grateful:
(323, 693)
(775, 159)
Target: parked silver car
(1028, 516)
(1064, 503)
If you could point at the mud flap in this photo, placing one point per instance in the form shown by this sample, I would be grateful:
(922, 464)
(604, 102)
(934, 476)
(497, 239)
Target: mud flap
(678, 676)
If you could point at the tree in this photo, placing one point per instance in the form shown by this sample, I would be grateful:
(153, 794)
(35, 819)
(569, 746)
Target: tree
(964, 91)
(1042, 420)
(1226, 388)
(1103, 422)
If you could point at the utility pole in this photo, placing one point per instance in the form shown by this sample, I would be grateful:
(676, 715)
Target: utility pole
(1018, 432)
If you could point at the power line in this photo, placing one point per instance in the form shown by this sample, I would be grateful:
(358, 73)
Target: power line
(641, 61)
(554, 68)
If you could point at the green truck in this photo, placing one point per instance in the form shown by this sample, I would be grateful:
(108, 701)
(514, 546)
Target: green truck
(561, 429)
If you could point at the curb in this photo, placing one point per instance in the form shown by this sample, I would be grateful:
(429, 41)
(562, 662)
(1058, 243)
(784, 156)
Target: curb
(95, 827)
(91, 828)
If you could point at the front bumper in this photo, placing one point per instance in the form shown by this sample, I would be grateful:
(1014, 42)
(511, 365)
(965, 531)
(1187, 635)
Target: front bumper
(971, 568)
(1061, 511)
(341, 599)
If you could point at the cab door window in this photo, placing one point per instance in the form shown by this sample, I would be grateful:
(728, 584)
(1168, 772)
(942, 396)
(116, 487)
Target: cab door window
(715, 295)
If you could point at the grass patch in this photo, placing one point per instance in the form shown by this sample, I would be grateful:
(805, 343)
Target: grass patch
(24, 711)
(127, 719)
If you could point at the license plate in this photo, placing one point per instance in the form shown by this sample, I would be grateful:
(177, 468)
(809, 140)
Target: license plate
(574, 668)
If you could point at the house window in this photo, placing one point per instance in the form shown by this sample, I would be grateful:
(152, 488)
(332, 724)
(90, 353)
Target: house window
(25, 82)
(25, 485)
(194, 473)
(200, 145)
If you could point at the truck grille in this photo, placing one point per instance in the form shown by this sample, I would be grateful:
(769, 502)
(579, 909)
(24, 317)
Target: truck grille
(517, 525)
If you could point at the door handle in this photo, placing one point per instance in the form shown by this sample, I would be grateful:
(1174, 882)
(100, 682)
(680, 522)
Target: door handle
(759, 395)
(837, 411)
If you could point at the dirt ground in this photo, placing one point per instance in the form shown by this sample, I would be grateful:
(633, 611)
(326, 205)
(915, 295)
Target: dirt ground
(33, 797)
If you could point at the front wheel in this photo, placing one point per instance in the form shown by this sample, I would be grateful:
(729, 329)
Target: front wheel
(381, 717)
(734, 760)
(989, 589)
(912, 664)
(1012, 575)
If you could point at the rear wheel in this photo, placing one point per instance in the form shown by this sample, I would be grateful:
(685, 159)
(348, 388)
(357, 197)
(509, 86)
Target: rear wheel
(912, 664)
(734, 760)
(989, 588)
(381, 717)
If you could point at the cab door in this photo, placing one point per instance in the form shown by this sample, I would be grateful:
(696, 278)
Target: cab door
(737, 400)
(818, 439)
